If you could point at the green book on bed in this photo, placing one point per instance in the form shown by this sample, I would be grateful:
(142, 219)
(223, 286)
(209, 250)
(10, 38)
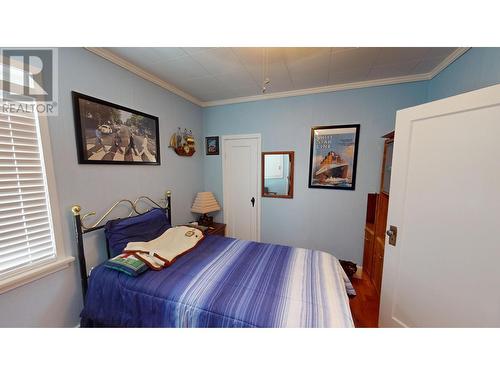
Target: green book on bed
(127, 263)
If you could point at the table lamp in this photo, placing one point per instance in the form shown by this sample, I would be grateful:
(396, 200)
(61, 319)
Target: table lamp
(204, 203)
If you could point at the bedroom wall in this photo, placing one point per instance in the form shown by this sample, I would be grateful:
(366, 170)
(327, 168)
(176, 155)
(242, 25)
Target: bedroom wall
(55, 300)
(329, 220)
(285, 124)
(477, 68)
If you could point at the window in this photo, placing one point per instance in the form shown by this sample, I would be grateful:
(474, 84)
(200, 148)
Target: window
(30, 234)
(26, 233)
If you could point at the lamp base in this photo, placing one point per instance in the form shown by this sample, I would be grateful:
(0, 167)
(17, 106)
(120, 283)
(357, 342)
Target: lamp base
(205, 220)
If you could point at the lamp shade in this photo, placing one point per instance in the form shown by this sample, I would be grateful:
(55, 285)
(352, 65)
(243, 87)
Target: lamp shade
(205, 202)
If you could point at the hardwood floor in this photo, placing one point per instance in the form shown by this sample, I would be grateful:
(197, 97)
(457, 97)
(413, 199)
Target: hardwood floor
(365, 305)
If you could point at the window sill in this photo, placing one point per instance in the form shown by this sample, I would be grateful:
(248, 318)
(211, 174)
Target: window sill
(34, 274)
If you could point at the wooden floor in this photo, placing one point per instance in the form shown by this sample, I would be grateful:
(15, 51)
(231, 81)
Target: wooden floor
(365, 305)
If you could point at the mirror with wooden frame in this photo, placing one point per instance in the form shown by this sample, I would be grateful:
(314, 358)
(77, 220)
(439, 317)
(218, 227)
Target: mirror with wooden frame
(277, 174)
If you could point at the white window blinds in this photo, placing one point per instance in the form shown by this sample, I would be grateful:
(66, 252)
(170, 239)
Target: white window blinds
(26, 233)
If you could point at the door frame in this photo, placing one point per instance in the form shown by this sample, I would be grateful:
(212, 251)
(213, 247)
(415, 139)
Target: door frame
(225, 138)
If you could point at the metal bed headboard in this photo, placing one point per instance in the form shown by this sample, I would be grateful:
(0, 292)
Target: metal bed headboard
(81, 228)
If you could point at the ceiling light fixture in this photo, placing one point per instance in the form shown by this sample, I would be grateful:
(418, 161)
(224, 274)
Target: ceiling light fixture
(265, 69)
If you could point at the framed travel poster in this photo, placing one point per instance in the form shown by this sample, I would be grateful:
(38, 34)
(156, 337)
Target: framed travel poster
(334, 153)
(108, 133)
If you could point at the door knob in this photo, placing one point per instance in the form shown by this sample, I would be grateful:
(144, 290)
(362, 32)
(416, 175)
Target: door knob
(393, 235)
(253, 201)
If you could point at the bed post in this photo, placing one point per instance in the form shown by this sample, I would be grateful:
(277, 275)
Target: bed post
(168, 195)
(81, 255)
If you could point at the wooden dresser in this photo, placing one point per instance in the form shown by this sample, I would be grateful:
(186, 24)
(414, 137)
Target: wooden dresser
(369, 234)
(376, 220)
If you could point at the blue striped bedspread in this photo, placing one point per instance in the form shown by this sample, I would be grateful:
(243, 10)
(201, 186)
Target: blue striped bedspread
(225, 282)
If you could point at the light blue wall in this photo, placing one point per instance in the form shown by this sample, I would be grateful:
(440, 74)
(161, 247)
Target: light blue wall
(329, 220)
(477, 68)
(325, 219)
(55, 300)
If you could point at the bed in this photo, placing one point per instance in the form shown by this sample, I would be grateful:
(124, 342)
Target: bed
(223, 282)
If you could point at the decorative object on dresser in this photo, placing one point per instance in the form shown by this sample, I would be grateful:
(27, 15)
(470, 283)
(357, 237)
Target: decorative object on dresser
(205, 203)
(212, 144)
(376, 220)
(108, 133)
(217, 229)
(183, 142)
(333, 157)
(277, 176)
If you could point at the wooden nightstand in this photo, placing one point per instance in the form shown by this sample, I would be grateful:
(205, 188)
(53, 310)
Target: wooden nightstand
(217, 229)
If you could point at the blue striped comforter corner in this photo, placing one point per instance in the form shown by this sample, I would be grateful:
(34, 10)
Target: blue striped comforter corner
(226, 282)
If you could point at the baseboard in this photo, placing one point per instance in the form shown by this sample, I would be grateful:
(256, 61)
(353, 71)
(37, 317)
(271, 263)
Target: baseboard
(359, 272)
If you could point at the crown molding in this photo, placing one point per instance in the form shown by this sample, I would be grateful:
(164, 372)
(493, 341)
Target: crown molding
(322, 89)
(448, 61)
(347, 86)
(108, 55)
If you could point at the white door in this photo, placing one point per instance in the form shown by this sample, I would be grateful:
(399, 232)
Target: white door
(445, 203)
(241, 186)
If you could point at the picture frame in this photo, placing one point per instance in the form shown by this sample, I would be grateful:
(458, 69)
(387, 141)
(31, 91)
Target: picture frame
(109, 133)
(212, 145)
(334, 156)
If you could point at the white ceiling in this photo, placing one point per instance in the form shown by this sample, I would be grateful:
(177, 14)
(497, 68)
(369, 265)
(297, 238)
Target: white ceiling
(217, 74)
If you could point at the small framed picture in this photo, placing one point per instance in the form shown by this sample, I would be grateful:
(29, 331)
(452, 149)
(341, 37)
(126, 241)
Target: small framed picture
(212, 145)
(108, 133)
(334, 154)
